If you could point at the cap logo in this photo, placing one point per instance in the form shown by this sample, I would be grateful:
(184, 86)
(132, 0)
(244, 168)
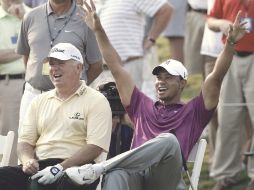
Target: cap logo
(57, 50)
(74, 56)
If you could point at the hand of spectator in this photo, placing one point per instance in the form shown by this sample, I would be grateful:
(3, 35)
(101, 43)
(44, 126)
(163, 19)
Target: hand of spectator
(90, 16)
(49, 175)
(30, 166)
(237, 30)
(17, 10)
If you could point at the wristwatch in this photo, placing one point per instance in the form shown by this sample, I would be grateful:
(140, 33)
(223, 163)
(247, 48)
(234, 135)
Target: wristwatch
(151, 40)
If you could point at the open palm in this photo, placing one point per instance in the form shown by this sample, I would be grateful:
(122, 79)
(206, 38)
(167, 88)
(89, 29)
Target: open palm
(237, 29)
(90, 17)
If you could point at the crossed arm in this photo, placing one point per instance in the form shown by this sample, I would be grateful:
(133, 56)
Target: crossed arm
(8, 55)
(30, 164)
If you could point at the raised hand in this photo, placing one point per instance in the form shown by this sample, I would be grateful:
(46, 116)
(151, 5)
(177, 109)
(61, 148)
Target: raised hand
(90, 17)
(237, 30)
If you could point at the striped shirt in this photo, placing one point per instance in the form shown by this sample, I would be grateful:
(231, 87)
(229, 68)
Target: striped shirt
(124, 23)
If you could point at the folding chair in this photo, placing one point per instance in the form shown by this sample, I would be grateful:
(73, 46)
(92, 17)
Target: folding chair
(196, 156)
(6, 143)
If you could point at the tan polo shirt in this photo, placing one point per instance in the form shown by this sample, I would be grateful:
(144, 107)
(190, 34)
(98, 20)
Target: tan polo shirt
(59, 128)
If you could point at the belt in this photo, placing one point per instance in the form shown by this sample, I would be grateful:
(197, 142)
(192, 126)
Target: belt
(243, 53)
(15, 76)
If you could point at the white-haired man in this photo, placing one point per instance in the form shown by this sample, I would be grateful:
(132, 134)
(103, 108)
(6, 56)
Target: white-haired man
(68, 126)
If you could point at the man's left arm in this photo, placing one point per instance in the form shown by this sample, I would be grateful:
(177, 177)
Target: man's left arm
(8, 55)
(85, 155)
(93, 57)
(212, 84)
(94, 71)
(159, 23)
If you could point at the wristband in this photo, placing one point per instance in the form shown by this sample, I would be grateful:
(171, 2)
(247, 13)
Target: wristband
(230, 41)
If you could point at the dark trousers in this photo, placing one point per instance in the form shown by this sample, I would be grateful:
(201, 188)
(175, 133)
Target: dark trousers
(13, 178)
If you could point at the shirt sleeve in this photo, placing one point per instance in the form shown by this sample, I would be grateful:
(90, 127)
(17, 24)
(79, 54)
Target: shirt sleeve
(202, 115)
(23, 47)
(99, 124)
(138, 99)
(28, 131)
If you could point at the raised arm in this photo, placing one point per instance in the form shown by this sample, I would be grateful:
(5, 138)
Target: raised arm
(212, 84)
(124, 82)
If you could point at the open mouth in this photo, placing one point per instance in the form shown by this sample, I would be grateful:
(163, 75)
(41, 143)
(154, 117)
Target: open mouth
(162, 89)
(57, 76)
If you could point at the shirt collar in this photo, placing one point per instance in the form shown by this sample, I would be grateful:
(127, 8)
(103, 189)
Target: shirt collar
(80, 91)
(159, 104)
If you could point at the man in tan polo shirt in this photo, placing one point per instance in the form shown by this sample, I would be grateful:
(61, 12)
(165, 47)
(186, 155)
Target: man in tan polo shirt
(68, 126)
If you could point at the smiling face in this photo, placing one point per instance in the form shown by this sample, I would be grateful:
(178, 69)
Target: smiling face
(168, 87)
(64, 74)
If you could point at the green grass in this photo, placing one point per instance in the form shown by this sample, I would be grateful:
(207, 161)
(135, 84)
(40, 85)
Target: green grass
(192, 89)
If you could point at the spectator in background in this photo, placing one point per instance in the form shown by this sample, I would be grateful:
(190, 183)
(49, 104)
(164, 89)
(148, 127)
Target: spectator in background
(67, 126)
(236, 96)
(175, 30)
(46, 25)
(12, 70)
(124, 23)
(195, 25)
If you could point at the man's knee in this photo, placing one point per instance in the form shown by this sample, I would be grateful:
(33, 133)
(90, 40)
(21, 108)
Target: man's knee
(119, 175)
(120, 179)
(169, 140)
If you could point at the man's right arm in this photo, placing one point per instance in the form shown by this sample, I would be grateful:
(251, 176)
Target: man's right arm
(8, 55)
(218, 25)
(124, 82)
(25, 59)
(26, 156)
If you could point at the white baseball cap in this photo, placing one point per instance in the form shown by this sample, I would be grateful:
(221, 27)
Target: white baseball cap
(173, 67)
(62, 51)
(65, 51)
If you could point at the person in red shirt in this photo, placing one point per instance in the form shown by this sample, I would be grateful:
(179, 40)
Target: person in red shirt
(237, 94)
